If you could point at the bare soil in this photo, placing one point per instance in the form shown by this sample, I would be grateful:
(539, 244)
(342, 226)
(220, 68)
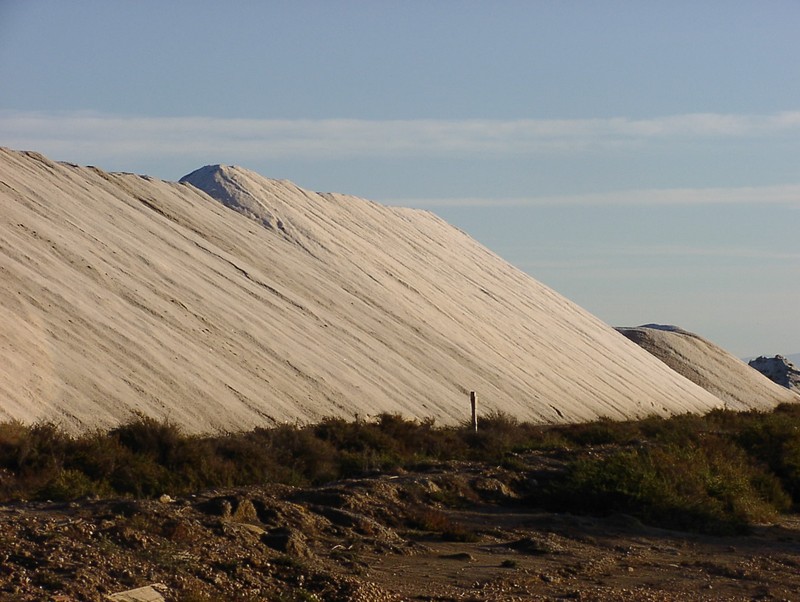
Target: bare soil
(456, 532)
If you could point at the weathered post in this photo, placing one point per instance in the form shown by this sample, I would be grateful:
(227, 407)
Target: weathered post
(473, 400)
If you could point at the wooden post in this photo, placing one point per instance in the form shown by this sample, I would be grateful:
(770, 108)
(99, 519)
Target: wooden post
(473, 400)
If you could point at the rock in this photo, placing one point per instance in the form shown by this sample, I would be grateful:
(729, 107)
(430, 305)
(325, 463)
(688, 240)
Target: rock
(141, 594)
(779, 370)
(286, 540)
(218, 506)
(253, 528)
(244, 512)
(464, 556)
(354, 520)
(126, 508)
(492, 489)
(235, 508)
(129, 537)
(535, 546)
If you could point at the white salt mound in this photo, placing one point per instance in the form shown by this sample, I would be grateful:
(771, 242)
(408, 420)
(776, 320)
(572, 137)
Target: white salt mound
(123, 294)
(710, 366)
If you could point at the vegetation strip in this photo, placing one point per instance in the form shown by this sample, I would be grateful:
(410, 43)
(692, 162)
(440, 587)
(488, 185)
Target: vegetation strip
(716, 473)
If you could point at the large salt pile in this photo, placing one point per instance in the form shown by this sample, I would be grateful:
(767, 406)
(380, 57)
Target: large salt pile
(123, 293)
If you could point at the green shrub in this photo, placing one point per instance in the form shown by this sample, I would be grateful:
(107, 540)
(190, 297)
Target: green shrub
(601, 432)
(144, 435)
(233, 459)
(38, 448)
(498, 434)
(73, 484)
(712, 487)
(98, 455)
(12, 436)
(302, 457)
(774, 440)
(141, 476)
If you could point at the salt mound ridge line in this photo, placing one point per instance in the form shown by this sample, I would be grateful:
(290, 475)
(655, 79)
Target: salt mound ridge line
(124, 293)
(738, 385)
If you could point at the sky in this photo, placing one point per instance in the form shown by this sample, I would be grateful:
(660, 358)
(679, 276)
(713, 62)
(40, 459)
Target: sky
(640, 158)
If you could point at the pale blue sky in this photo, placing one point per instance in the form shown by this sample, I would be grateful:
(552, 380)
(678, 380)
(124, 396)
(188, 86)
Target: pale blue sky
(639, 157)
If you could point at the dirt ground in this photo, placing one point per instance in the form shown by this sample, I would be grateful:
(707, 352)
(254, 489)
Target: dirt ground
(455, 532)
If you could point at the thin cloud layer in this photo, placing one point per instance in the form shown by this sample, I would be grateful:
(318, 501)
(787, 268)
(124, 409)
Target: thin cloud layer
(128, 136)
(788, 194)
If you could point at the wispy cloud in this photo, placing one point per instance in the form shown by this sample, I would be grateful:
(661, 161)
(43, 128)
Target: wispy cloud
(786, 194)
(117, 135)
(729, 252)
(652, 260)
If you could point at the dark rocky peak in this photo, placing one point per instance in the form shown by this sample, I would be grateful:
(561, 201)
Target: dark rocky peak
(779, 370)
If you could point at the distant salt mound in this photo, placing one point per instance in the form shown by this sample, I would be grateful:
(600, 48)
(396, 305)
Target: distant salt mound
(123, 294)
(709, 366)
(779, 370)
